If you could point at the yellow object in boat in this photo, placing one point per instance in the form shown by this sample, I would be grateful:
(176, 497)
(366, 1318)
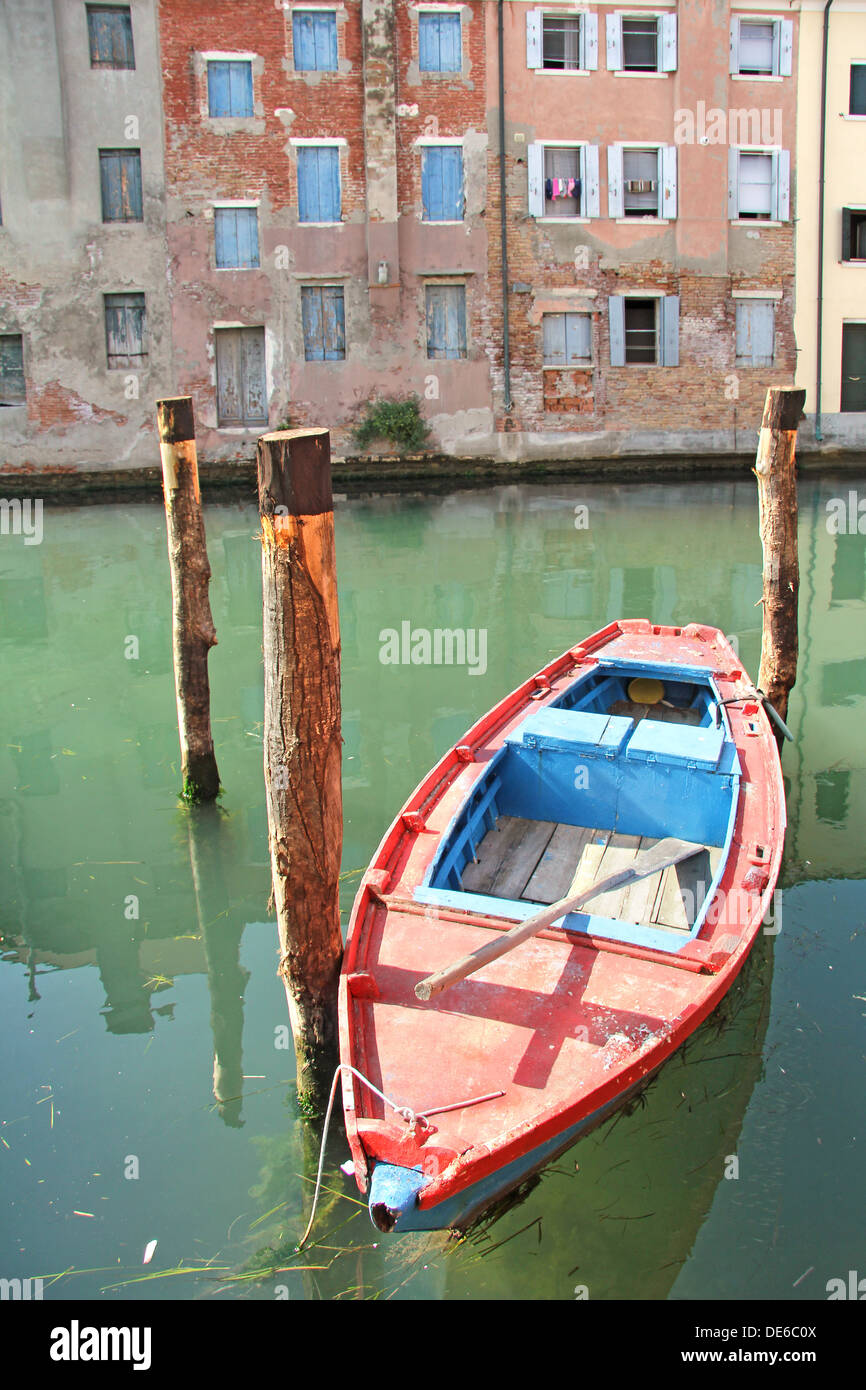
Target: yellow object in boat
(645, 690)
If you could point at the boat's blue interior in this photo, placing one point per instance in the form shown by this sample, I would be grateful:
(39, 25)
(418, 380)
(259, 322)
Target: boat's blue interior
(574, 762)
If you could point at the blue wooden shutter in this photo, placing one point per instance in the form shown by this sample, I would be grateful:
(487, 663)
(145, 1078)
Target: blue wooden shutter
(428, 42)
(120, 177)
(553, 339)
(248, 237)
(236, 237)
(110, 33)
(333, 323)
(241, 89)
(304, 40)
(230, 88)
(218, 97)
(670, 331)
(442, 183)
(616, 315)
(319, 183)
(576, 338)
(450, 45)
(124, 329)
(446, 321)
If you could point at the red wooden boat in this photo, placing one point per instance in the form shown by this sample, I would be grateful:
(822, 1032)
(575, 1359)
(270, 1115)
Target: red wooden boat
(637, 734)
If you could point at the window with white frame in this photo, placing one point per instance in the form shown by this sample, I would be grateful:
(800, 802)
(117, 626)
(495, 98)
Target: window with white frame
(759, 185)
(641, 43)
(755, 332)
(642, 181)
(566, 340)
(563, 180)
(857, 90)
(644, 330)
(854, 234)
(560, 40)
(761, 46)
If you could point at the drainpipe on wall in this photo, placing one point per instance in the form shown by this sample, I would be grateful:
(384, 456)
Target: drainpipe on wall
(819, 435)
(503, 217)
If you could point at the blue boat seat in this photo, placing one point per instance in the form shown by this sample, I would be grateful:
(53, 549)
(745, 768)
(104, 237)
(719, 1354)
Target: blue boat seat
(573, 731)
(682, 745)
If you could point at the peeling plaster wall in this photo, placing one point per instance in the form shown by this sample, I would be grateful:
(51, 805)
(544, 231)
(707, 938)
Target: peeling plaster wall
(57, 257)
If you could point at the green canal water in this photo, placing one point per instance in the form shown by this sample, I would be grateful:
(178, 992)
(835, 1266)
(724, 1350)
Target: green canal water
(143, 1096)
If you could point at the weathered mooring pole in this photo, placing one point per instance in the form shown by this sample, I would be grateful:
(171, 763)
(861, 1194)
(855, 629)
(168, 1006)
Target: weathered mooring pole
(193, 632)
(302, 739)
(777, 499)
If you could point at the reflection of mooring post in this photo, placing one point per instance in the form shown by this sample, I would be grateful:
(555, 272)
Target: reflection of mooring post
(193, 632)
(221, 932)
(302, 741)
(777, 498)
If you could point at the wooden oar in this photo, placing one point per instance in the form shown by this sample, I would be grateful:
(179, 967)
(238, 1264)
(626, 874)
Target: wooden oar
(651, 861)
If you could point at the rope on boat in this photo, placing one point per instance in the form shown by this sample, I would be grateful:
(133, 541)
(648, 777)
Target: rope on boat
(412, 1118)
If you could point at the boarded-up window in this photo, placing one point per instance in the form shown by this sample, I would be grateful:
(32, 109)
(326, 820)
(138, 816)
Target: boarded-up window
(446, 321)
(439, 43)
(12, 390)
(756, 327)
(125, 330)
(324, 323)
(236, 238)
(319, 183)
(109, 29)
(566, 339)
(120, 176)
(314, 40)
(857, 94)
(442, 183)
(230, 87)
(241, 388)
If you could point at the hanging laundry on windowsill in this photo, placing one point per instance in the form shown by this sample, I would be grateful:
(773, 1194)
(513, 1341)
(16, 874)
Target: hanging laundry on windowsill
(561, 188)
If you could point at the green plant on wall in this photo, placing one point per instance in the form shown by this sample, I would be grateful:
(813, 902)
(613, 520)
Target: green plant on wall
(398, 421)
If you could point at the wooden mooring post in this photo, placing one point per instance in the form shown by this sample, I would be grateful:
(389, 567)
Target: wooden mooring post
(193, 632)
(302, 739)
(777, 500)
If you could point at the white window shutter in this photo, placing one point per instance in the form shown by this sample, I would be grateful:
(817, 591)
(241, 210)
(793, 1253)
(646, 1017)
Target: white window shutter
(735, 43)
(614, 181)
(535, 162)
(589, 35)
(786, 47)
(613, 26)
(533, 38)
(616, 318)
(668, 171)
(670, 334)
(733, 184)
(669, 43)
(782, 180)
(589, 175)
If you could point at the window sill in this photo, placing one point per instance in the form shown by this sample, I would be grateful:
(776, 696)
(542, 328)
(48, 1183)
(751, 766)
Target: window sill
(752, 366)
(563, 72)
(853, 260)
(852, 116)
(756, 77)
(754, 222)
(567, 366)
(435, 222)
(569, 221)
(223, 269)
(243, 429)
(628, 72)
(320, 224)
(643, 221)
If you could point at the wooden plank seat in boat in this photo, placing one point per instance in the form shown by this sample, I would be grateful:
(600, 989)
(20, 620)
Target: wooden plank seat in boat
(541, 861)
(666, 714)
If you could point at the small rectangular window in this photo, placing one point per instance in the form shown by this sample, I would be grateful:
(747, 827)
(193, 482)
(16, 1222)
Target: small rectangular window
(560, 42)
(446, 321)
(319, 183)
(125, 330)
(640, 173)
(230, 88)
(853, 234)
(314, 40)
(641, 330)
(120, 174)
(109, 29)
(439, 43)
(755, 332)
(241, 385)
(12, 388)
(236, 238)
(566, 339)
(756, 47)
(857, 93)
(562, 183)
(323, 317)
(756, 186)
(640, 44)
(442, 183)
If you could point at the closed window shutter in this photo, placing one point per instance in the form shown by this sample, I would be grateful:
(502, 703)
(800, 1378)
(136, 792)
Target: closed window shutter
(576, 338)
(120, 176)
(218, 95)
(733, 184)
(319, 183)
(230, 88)
(442, 183)
(553, 336)
(241, 89)
(314, 40)
(253, 357)
(614, 181)
(668, 28)
(304, 41)
(450, 54)
(755, 333)
(236, 238)
(452, 182)
(670, 334)
(613, 31)
(323, 323)
(439, 45)
(110, 37)
(334, 324)
(535, 166)
(616, 316)
(589, 39)
(431, 184)
(590, 181)
(446, 321)
(125, 329)
(786, 47)
(668, 162)
(533, 38)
